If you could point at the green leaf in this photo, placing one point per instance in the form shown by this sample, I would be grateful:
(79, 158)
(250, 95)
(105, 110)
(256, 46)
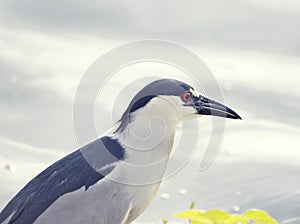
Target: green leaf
(220, 217)
(259, 217)
(206, 221)
(196, 216)
(202, 219)
(217, 215)
(233, 219)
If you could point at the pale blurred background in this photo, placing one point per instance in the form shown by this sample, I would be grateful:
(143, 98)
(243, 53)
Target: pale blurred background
(251, 46)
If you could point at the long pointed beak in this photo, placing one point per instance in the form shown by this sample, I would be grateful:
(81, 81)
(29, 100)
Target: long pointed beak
(206, 106)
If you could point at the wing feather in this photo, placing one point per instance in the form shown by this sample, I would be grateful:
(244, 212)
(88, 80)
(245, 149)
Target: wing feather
(66, 175)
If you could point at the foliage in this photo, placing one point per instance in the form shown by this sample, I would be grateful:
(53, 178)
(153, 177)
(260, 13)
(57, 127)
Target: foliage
(253, 216)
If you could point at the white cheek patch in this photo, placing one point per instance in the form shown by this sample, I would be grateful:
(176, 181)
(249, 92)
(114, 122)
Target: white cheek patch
(194, 92)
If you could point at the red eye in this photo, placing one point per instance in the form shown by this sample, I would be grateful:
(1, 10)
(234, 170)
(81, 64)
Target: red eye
(186, 96)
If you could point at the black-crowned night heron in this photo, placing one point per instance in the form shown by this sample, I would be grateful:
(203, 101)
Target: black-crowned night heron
(114, 178)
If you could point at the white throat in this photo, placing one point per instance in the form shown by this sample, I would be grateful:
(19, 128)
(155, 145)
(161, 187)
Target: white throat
(150, 131)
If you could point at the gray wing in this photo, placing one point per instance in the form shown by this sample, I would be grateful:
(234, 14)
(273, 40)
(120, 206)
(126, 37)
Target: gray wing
(67, 175)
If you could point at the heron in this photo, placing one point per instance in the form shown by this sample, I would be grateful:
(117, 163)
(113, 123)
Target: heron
(114, 178)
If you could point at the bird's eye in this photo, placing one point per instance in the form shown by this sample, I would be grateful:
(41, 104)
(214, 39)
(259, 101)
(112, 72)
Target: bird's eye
(186, 96)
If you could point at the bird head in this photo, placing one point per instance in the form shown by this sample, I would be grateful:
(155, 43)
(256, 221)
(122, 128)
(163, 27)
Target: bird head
(174, 101)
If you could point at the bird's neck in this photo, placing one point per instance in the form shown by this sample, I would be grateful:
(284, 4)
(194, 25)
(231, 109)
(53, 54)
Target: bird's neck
(148, 143)
(148, 138)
